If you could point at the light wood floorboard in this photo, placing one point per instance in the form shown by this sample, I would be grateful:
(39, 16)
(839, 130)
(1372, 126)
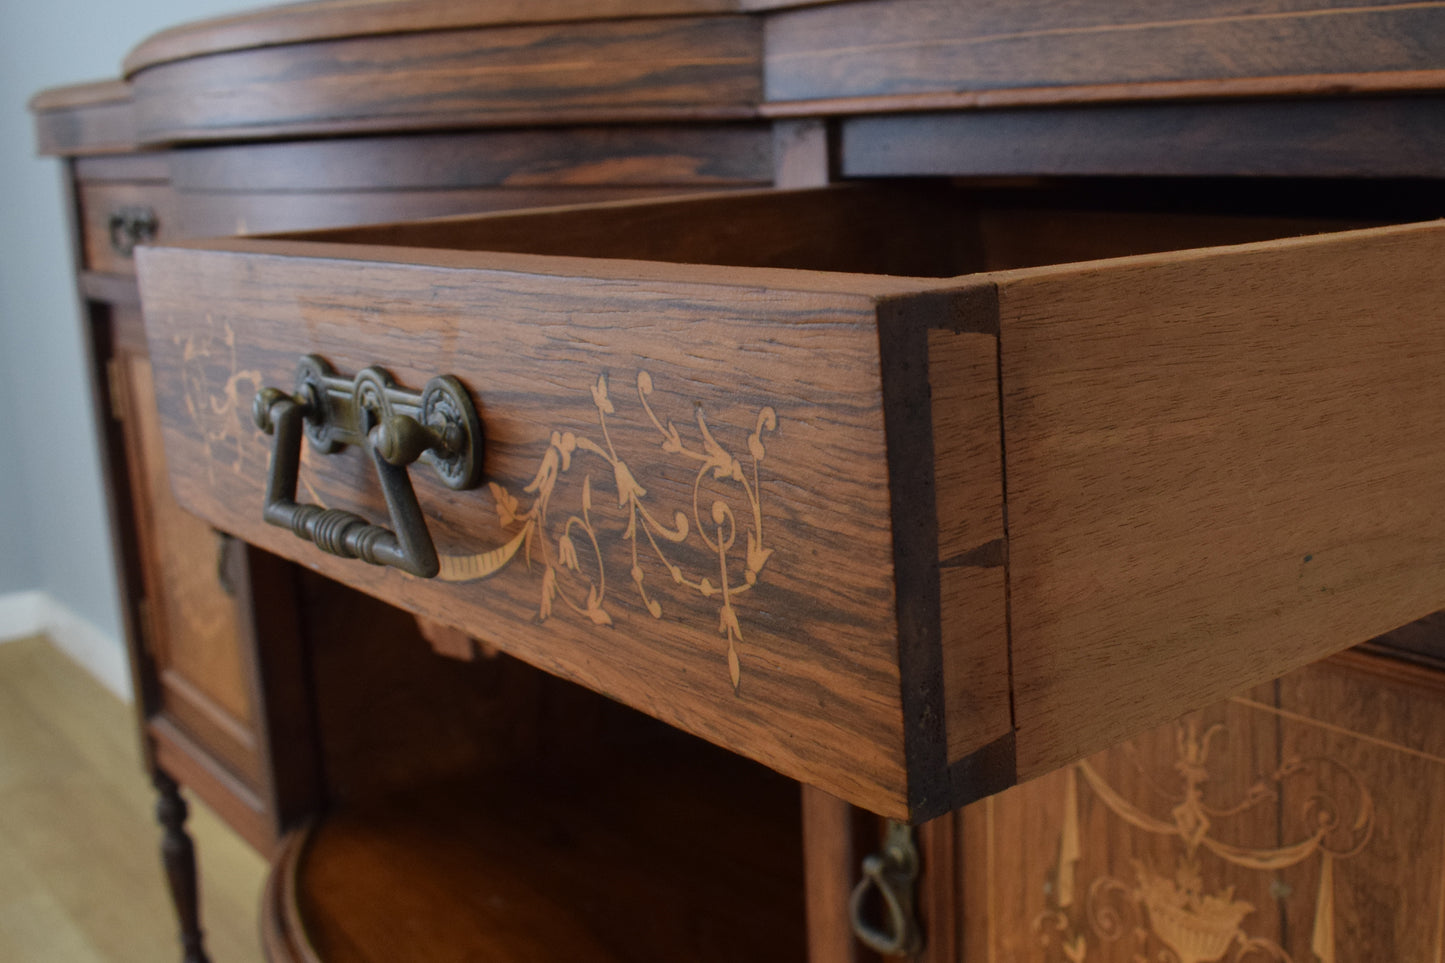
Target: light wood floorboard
(80, 873)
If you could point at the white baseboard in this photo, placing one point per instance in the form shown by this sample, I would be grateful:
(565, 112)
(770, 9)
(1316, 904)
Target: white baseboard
(22, 614)
(102, 655)
(35, 612)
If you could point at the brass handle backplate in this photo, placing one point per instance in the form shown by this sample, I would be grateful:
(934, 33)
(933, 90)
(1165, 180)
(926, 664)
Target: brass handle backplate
(893, 875)
(438, 425)
(131, 226)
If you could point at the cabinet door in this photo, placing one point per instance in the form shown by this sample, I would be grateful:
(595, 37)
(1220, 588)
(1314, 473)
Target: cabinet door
(207, 637)
(1291, 823)
(189, 614)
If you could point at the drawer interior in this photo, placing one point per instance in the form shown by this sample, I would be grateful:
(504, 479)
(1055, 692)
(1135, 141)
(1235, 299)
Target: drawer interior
(927, 229)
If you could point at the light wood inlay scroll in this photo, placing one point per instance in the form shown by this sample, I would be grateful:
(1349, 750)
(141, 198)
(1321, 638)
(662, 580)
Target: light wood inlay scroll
(652, 533)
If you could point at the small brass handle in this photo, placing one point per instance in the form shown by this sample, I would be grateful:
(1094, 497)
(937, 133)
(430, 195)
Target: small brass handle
(893, 874)
(397, 427)
(130, 226)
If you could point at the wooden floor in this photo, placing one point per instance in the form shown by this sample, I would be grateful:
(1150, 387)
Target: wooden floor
(80, 876)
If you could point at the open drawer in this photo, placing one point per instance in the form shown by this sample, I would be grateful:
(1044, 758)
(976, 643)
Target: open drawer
(969, 511)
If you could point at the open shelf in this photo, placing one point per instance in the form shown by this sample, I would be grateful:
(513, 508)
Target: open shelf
(680, 863)
(587, 831)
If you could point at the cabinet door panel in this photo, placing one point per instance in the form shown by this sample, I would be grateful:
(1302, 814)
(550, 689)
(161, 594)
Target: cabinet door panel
(190, 620)
(1292, 823)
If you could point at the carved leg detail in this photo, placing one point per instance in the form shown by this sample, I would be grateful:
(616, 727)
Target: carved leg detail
(178, 854)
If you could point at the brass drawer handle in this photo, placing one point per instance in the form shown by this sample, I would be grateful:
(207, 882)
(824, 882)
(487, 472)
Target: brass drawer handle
(130, 226)
(398, 427)
(893, 873)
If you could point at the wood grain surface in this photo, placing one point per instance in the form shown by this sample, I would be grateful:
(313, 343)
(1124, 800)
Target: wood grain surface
(663, 861)
(1327, 137)
(1319, 840)
(334, 19)
(973, 592)
(967, 455)
(235, 212)
(1374, 719)
(1192, 440)
(875, 230)
(568, 157)
(811, 685)
(830, 865)
(543, 821)
(632, 70)
(190, 622)
(264, 188)
(1052, 859)
(973, 635)
(123, 168)
(1221, 465)
(907, 47)
(85, 119)
(1195, 94)
(278, 669)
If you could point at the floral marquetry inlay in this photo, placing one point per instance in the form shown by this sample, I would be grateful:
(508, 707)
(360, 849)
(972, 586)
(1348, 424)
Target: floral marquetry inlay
(729, 529)
(222, 417)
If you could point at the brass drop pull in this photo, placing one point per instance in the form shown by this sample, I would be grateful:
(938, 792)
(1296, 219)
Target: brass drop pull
(893, 874)
(130, 226)
(439, 425)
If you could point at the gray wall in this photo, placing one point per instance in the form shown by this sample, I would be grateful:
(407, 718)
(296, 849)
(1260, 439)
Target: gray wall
(52, 533)
(17, 535)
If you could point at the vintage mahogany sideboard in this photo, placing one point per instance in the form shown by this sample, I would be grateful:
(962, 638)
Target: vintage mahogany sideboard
(994, 445)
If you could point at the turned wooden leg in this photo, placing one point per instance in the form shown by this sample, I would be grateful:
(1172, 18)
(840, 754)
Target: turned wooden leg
(178, 854)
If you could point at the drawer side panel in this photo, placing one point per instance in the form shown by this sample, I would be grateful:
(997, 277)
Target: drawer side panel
(1221, 465)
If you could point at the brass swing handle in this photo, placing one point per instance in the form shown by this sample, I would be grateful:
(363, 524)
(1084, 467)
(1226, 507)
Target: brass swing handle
(893, 874)
(397, 427)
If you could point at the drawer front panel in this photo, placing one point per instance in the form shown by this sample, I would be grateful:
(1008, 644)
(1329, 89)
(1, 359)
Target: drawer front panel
(685, 505)
(117, 217)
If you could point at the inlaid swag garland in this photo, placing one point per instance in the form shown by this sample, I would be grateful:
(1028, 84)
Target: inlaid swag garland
(1181, 918)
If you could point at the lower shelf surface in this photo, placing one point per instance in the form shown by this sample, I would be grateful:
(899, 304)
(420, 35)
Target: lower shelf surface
(694, 859)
